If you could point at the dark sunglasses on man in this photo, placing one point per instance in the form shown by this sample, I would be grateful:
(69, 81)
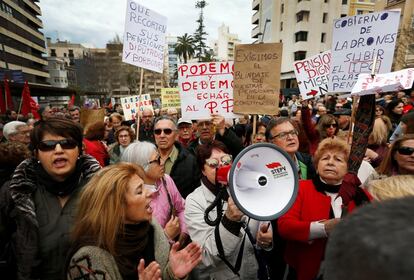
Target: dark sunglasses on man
(167, 131)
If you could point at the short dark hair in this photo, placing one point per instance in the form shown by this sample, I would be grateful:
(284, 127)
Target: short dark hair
(381, 234)
(96, 131)
(12, 154)
(204, 151)
(56, 126)
(74, 108)
(273, 123)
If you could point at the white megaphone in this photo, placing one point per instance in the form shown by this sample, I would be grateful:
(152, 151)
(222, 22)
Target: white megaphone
(263, 181)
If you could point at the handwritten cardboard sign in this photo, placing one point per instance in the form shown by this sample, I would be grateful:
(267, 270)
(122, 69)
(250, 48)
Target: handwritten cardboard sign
(170, 98)
(144, 37)
(393, 81)
(312, 75)
(131, 105)
(257, 78)
(356, 42)
(206, 88)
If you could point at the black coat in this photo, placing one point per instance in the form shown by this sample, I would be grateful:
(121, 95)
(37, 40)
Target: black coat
(185, 171)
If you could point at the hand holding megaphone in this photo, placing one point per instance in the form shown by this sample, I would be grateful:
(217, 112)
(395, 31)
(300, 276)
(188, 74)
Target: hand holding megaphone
(233, 213)
(264, 236)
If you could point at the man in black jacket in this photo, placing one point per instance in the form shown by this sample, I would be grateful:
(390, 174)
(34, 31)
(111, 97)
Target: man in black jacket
(178, 162)
(215, 129)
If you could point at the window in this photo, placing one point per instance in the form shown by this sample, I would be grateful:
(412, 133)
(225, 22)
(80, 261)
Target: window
(301, 36)
(302, 16)
(282, 8)
(410, 49)
(325, 17)
(52, 52)
(326, 1)
(323, 37)
(344, 2)
(64, 54)
(344, 15)
(360, 12)
(299, 55)
(71, 53)
(281, 26)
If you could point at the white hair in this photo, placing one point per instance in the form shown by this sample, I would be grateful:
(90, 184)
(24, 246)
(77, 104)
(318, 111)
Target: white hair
(11, 128)
(139, 153)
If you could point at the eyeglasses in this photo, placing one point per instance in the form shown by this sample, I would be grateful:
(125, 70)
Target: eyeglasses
(328, 125)
(167, 131)
(284, 135)
(157, 161)
(214, 163)
(406, 151)
(50, 145)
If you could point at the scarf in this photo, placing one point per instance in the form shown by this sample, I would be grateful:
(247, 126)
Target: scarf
(58, 188)
(213, 188)
(135, 243)
(324, 187)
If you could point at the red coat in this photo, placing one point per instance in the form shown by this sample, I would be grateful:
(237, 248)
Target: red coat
(96, 149)
(303, 255)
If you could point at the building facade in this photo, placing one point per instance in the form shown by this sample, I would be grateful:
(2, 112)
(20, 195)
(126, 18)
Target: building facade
(58, 73)
(22, 45)
(404, 48)
(171, 62)
(303, 26)
(359, 7)
(224, 46)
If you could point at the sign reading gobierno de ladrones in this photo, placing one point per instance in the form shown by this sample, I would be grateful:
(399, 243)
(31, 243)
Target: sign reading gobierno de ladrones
(144, 37)
(356, 42)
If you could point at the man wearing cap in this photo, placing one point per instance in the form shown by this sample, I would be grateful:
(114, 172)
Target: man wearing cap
(215, 129)
(344, 118)
(185, 132)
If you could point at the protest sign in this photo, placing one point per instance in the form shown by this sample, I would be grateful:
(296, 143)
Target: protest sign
(379, 83)
(359, 40)
(206, 88)
(90, 116)
(144, 37)
(257, 78)
(312, 75)
(170, 98)
(131, 105)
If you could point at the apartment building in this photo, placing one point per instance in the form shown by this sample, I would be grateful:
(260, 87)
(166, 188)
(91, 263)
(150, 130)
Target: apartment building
(224, 46)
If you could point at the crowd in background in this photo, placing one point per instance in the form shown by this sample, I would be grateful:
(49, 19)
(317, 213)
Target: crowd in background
(88, 201)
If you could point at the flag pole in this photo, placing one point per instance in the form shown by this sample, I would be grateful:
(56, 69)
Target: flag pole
(139, 102)
(20, 107)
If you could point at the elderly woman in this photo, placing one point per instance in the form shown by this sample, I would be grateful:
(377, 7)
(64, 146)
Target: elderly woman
(115, 121)
(38, 205)
(392, 187)
(167, 202)
(399, 159)
(114, 237)
(320, 204)
(124, 136)
(224, 242)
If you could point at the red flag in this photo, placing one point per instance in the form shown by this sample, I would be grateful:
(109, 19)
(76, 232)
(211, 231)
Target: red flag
(9, 100)
(28, 104)
(71, 101)
(2, 103)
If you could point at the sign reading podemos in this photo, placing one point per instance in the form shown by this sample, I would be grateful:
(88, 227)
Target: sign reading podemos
(144, 37)
(312, 75)
(356, 42)
(205, 89)
(131, 105)
(257, 78)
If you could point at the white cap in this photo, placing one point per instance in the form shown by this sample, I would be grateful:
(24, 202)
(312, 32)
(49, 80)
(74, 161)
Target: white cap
(181, 120)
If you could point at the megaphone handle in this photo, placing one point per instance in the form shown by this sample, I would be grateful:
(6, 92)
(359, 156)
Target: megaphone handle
(222, 195)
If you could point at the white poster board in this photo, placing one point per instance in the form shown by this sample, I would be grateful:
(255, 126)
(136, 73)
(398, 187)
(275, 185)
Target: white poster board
(312, 75)
(131, 105)
(205, 89)
(144, 37)
(356, 42)
(393, 81)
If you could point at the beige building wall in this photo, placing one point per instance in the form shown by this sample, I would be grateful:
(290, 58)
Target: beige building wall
(359, 7)
(224, 46)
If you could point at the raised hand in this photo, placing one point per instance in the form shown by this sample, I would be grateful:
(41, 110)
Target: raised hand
(151, 272)
(172, 228)
(182, 262)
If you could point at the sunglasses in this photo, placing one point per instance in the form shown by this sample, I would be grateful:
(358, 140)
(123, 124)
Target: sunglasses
(214, 163)
(50, 145)
(167, 131)
(157, 161)
(334, 125)
(406, 151)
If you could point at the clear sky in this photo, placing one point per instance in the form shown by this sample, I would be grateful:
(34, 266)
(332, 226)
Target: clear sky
(98, 21)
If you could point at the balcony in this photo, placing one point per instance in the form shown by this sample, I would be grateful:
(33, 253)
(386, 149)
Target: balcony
(255, 32)
(256, 5)
(303, 6)
(256, 17)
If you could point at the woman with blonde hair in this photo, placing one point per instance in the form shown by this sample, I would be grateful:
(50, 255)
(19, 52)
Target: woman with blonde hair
(392, 187)
(377, 141)
(113, 232)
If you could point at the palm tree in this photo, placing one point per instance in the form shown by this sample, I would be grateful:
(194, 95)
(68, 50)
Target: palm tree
(185, 47)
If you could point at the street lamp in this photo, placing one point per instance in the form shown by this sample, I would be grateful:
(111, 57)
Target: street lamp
(264, 30)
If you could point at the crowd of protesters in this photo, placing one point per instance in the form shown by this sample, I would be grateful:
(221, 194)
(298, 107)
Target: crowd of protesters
(117, 199)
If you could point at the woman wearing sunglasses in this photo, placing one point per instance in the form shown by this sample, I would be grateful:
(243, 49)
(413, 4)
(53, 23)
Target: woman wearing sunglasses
(167, 202)
(229, 231)
(399, 159)
(38, 205)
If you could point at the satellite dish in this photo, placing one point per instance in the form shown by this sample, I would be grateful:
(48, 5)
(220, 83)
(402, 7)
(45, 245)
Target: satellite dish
(263, 181)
